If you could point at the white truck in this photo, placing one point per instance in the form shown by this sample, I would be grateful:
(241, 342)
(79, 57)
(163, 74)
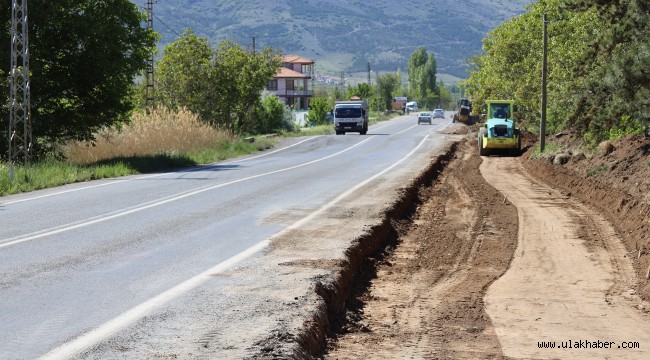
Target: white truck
(351, 116)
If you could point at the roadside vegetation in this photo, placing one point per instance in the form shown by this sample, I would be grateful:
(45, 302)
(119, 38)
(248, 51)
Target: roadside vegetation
(598, 56)
(161, 141)
(88, 113)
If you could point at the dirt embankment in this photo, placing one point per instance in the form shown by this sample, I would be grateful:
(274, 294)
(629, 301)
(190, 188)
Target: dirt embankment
(616, 182)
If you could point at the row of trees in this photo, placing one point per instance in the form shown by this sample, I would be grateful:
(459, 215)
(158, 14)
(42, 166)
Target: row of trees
(598, 57)
(222, 85)
(421, 86)
(85, 55)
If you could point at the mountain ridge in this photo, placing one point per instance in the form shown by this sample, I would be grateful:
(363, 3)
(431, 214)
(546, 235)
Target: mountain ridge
(344, 35)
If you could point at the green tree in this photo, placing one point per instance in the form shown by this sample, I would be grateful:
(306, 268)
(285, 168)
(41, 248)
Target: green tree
(510, 67)
(84, 55)
(445, 98)
(237, 79)
(616, 86)
(222, 85)
(272, 115)
(362, 90)
(388, 84)
(414, 69)
(183, 74)
(422, 70)
(318, 108)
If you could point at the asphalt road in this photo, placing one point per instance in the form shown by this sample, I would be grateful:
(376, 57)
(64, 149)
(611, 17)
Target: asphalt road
(84, 264)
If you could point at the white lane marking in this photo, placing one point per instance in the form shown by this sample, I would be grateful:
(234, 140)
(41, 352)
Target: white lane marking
(109, 216)
(148, 176)
(83, 342)
(269, 153)
(73, 190)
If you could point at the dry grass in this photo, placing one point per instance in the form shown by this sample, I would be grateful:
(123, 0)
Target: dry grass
(163, 132)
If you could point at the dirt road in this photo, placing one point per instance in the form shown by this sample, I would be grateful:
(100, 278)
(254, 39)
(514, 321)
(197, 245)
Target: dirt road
(569, 279)
(493, 263)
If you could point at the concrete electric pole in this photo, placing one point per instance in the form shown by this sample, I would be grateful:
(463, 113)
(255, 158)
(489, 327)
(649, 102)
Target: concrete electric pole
(20, 126)
(542, 125)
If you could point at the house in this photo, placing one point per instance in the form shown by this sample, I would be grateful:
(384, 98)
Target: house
(291, 82)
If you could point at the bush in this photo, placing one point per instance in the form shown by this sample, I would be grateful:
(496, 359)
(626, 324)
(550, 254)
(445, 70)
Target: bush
(273, 115)
(318, 108)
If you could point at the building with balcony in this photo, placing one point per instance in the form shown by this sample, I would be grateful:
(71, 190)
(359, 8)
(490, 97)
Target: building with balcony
(291, 83)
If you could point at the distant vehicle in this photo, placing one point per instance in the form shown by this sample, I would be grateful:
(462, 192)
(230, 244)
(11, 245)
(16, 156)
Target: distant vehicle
(412, 106)
(424, 117)
(464, 111)
(351, 116)
(438, 113)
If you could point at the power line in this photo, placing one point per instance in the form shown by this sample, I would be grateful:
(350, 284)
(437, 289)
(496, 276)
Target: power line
(167, 26)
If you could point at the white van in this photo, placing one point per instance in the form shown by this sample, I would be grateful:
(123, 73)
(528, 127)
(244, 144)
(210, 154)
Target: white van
(412, 106)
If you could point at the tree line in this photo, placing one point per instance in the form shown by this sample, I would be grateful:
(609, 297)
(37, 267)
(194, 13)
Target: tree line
(223, 85)
(418, 84)
(85, 57)
(598, 61)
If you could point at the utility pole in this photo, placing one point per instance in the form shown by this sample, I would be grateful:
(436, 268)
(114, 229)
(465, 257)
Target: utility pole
(542, 125)
(369, 73)
(20, 125)
(150, 104)
(253, 45)
(342, 73)
(378, 95)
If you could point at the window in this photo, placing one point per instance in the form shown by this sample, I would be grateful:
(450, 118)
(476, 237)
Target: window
(272, 85)
(348, 112)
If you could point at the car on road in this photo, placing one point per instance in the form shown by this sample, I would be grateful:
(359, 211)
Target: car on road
(438, 113)
(424, 117)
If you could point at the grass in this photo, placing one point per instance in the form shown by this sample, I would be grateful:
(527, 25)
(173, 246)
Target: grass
(549, 149)
(162, 141)
(597, 169)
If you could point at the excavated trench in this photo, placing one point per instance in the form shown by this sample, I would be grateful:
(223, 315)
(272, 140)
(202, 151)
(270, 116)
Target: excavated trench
(340, 293)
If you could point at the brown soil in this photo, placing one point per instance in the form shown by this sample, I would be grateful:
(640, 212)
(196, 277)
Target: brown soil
(427, 298)
(502, 253)
(616, 184)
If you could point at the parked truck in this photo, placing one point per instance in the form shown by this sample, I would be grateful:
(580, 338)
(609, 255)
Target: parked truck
(351, 116)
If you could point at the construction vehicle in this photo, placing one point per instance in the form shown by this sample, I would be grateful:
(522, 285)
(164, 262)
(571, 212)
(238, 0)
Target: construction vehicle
(351, 116)
(464, 111)
(499, 133)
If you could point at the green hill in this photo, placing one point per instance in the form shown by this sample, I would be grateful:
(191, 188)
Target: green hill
(343, 35)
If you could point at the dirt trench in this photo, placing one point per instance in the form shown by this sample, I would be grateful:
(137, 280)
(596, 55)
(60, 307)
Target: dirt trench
(425, 297)
(493, 263)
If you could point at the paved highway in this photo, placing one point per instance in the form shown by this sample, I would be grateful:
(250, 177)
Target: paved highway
(101, 268)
